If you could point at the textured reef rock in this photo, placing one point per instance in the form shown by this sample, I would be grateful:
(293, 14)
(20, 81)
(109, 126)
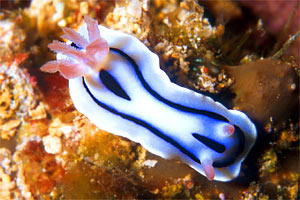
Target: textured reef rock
(17, 100)
(7, 184)
(131, 17)
(265, 88)
(281, 19)
(183, 39)
(50, 150)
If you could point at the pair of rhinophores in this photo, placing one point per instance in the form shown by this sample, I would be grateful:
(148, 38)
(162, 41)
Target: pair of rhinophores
(116, 81)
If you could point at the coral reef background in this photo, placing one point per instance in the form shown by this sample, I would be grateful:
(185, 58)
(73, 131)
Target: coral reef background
(243, 55)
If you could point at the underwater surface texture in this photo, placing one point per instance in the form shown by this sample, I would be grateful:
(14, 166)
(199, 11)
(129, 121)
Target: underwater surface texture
(243, 55)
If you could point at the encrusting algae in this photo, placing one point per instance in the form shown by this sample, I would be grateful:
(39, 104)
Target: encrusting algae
(50, 150)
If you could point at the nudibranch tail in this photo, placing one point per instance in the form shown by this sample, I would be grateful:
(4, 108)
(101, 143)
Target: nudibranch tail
(86, 59)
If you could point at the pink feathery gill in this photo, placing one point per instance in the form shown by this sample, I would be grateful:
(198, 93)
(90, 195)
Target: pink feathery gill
(86, 59)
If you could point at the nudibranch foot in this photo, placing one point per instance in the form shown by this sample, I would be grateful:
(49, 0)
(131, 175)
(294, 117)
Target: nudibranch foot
(116, 81)
(87, 58)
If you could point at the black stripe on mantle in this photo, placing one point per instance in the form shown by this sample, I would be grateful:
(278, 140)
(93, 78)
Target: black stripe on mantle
(155, 131)
(152, 129)
(162, 99)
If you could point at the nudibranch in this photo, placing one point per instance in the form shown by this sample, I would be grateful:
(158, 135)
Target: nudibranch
(116, 82)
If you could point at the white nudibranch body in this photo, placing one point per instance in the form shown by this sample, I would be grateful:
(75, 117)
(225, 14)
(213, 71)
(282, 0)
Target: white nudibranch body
(116, 81)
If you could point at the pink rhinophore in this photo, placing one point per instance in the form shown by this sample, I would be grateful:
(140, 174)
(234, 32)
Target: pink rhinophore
(208, 169)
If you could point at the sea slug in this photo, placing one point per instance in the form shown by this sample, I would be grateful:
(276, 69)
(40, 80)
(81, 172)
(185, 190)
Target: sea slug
(116, 81)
